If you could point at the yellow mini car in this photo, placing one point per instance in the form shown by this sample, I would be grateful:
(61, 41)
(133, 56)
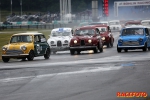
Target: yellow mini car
(26, 45)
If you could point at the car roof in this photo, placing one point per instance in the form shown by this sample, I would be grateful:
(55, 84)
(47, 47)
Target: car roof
(87, 27)
(114, 21)
(29, 33)
(136, 26)
(145, 21)
(64, 28)
(130, 22)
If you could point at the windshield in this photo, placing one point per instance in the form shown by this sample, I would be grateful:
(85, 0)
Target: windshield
(146, 23)
(102, 29)
(133, 31)
(113, 23)
(55, 33)
(21, 38)
(84, 32)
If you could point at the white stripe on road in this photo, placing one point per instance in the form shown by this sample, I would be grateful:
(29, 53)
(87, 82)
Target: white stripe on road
(88, 70)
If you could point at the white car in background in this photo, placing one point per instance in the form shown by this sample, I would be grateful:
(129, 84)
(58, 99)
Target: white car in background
(145, 23)
(60, 39)
(115, 25)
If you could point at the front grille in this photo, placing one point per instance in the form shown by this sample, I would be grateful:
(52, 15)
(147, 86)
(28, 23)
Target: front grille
(59, 43)
(131, 43)
(14, 52)
(82, 42)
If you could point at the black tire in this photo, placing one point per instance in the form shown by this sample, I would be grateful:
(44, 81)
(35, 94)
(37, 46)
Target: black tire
(72, 52)
(95, 50)
(126, 50)
(111, 43)
(78, 52)
(5, 59)
(47, 54)
(148, 48)
(145, 48)
(118, 49)
(108, 45)
(54, 52)
(101, 49)
(23, 59)
(31, 56)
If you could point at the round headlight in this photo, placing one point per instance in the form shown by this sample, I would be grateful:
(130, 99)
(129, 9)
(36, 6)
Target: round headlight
(89, 41)
(75, 41)
(52, 42)
(120, 40)
(103, 38)
(140, 39)
(24, 48)
(66, 41)
(4, 48)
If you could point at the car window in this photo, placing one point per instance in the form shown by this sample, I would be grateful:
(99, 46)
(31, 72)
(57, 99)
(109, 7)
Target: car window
(133, 31)
(36, 38)
(85, 32)
(21, 38)
(43, 39)
(146, 31)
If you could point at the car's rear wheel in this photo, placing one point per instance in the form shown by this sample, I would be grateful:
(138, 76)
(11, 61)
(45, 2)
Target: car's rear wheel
(47, 54)
(30, 56)
(118, 49)
(72, 52)
(5, 59)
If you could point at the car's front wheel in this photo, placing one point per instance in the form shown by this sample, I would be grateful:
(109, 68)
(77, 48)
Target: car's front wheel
(5, 59)
(47, 54)
(72, 52)
(145, 48)
(118, 49)
(30, 56)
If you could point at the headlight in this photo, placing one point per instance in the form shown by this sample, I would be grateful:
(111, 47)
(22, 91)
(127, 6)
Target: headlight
(52, 42)
(120, 40)
(103, 38)
(66, 41)
(23, 48)
(4, 48)
(140, 39)
(89, 41)
(75, 41)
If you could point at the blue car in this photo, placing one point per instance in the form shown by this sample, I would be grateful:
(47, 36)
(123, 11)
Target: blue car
(135, 37)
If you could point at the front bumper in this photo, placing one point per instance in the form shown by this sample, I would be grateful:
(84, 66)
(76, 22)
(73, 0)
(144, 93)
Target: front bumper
(59, 48)
(15, 55)
(83, 48)
(131, 47)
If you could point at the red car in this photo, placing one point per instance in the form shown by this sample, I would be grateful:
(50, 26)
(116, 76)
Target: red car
(86, 38)
(106, 35)
(131, 23)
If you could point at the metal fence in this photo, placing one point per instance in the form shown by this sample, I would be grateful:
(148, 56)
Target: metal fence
(38, 26)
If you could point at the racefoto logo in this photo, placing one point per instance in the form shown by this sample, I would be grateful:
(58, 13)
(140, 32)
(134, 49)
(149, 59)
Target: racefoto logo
(132, 94)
